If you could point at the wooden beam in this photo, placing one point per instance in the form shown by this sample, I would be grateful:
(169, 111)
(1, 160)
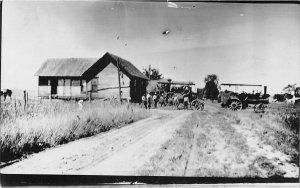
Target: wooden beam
(112, 88)
(118, 65)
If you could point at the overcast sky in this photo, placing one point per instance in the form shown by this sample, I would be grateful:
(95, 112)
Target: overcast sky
(241, 43)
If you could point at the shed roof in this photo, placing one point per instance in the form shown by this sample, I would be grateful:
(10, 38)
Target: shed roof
(77, 67)
(65, 66)
(177, 83)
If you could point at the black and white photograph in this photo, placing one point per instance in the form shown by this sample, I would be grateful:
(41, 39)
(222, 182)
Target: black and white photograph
(150, 89)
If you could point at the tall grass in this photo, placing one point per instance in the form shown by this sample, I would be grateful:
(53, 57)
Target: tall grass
(42, 124)
(277, 127)
(283, 132)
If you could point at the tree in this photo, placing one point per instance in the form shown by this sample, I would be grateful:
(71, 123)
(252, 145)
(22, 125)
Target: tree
(155, 73)
(211, 86)
(212, 77)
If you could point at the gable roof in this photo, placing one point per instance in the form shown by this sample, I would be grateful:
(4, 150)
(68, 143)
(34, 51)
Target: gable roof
(78, 67)
(126, 66)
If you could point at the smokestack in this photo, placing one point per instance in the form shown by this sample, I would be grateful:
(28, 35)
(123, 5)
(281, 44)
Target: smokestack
(265, 90)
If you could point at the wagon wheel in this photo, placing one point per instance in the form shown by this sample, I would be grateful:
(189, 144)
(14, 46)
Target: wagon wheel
(197, 105)
(235, 105)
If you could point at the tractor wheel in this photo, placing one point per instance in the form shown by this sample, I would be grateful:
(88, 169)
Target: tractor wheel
(235, 105)
(197, 105)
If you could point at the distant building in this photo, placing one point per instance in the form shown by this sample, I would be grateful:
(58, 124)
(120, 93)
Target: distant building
(81, 77)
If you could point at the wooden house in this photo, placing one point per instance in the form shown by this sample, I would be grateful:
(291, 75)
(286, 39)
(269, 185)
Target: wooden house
(85, 77)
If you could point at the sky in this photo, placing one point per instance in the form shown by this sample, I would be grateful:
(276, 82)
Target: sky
(241, 43)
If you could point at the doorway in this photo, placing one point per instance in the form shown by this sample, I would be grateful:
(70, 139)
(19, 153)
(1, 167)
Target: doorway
(54, 83)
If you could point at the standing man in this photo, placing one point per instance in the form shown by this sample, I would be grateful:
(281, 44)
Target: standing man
(149, 100)
(155, 100)
(162, 100)
(186, 95)
(144, 100)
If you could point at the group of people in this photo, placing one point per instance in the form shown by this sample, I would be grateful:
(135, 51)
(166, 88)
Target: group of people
(164, 99)
(147, 100)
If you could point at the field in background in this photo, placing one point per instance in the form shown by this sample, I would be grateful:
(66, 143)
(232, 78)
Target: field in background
(42, 124)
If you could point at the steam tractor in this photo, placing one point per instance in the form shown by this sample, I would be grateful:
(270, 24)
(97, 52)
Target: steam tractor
(240, 99)
(175, 89)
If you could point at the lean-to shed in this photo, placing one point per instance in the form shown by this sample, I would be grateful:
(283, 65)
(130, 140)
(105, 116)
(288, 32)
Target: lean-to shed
(84, 77)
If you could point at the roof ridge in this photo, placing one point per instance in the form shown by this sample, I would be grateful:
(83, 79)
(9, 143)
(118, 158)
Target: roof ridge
(57, 58)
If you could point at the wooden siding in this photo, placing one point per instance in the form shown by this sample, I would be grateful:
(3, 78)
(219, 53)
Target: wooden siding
(65, 87)
(113, 92)
(68, 91)
(44, 90)
(108, 78)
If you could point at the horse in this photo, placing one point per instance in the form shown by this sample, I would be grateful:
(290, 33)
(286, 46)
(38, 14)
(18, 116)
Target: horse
(5, 93)
(170, 101)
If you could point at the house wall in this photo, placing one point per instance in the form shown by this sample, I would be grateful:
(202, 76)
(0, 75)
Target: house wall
(138, 88)
(107, 85)
(108, 78)
(44, 90)
(67, 87)
(69, 91)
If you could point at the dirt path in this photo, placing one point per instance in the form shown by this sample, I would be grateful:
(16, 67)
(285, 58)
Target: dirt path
(220, 143)
(118, 151)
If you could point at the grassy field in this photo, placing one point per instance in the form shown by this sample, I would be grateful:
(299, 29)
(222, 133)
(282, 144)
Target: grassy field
(41, 124)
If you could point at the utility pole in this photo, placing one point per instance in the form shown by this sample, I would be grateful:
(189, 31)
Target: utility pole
(118, 65)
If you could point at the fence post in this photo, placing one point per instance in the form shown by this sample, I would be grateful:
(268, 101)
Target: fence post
(90, 96)
(15, 108)
(25, 99)
(50, 100)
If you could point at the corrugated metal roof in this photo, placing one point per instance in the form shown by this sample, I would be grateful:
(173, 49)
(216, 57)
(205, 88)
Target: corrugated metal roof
(65, 66)
(79, 66)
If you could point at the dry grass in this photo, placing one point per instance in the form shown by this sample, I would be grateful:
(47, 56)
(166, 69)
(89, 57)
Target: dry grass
(282, 123)
(41, 124)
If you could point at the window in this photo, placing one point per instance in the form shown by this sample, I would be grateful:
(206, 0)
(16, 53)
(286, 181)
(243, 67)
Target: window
(61, 82)
(83, 86)
(75, 82)
(94, 84)
(67, 82)
(44, 81)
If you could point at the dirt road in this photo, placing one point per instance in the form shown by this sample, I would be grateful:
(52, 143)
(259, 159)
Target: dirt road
(213, 142)
(119, 151)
